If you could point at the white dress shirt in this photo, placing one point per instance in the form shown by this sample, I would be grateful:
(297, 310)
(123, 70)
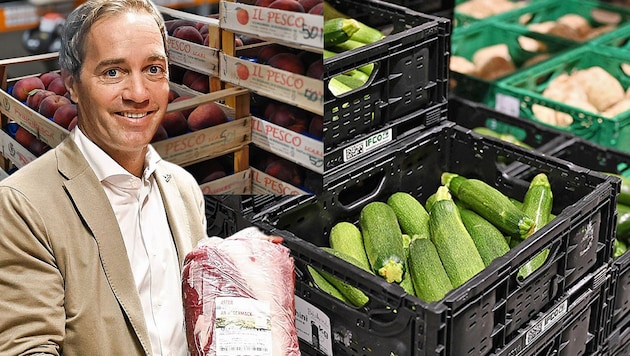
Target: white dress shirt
(151, 250)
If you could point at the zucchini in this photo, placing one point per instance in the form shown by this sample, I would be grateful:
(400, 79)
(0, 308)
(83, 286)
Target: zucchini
(323, 284)
(349, 45)
(382, 239)
(482, 130)
(354, 295)
(338, 30)
(620, 248)
(456, 249)
(330, 12)
(490, 203)
(346, 237)
(407, 283)
(489, 241)
(367, 34)
(624, 192)
(623, 222)
(337, 88)
(537, 204)
(350, 81)
(412, 216)
(428, 275)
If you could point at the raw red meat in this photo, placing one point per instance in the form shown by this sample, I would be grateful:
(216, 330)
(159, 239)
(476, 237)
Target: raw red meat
(239, 295)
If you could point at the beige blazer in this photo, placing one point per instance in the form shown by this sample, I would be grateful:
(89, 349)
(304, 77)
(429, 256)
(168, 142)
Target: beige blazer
(66, 285)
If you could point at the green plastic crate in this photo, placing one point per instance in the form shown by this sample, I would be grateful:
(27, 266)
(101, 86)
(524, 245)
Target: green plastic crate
(463, 20)
(619, 38)
(516, 94)
(551, 10)
(465, 42)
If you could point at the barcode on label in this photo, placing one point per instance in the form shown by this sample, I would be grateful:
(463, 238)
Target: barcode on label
(353, 151)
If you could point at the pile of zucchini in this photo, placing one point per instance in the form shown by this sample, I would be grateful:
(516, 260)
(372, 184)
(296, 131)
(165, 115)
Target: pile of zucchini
(622, 238)
(433, 248)
(342, 33)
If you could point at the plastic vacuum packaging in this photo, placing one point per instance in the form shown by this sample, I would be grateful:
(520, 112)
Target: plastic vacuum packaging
(239, 296)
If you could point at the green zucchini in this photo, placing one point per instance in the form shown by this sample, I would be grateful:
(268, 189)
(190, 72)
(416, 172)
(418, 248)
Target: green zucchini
(367, 34)
(352, 82)
(338, 30)
(428, 275)
(537, 204)
(346, 237)
(337, 88)
(456, 249)
(352, 293)
(501, 136)
(407, 283)
(323, 284)
(620, 248)
(412, 216)
(382, 239)
(489, 241)
(623, 222)
(330, 12)
(490, 203)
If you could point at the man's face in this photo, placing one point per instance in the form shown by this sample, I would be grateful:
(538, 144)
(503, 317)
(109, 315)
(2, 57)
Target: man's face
(123, 91)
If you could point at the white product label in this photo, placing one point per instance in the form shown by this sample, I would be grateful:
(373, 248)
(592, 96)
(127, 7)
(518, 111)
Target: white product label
(242, 327)
(298, 90)
(288, 26)
(289, 144)
(546, 322)
(507, 104)
(370, 143)
(313, 326)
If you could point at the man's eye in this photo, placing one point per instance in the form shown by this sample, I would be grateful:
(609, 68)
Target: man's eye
(155, 69)
(111, 72)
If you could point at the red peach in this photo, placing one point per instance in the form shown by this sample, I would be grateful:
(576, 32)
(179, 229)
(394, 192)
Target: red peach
(160, 134)
(206, 115)
(174, 123)
(51, 103)
(36, 96)
(286, 171)
(317, 9)
(64, 115)
(186, 112)
(24, 137)
(316, 126)
(188, 33)
(287, 5)
(308, 4)
(196, 81)
(73, 123)
(316, 69)
(287, 61)
(48, 77)
(57, 86)
(22, 87)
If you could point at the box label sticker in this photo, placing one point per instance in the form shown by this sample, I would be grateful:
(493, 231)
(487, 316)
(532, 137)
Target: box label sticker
(298, 90)
(298, 28)
(193, 56)
(289, 144)
(313, 326)
(546, 322)
(263, 183)
(507, 104)
(367, 145)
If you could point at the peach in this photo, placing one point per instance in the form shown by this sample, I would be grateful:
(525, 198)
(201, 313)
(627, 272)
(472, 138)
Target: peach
(57, 86)
(172, 95)
(206, 115)
(160, 134)
(24, 137)
(74, 122)
(263, 3)
(64, 115)
(188, 33)
(196, 81)
(22, 87)
(48, 77)
(317, 9)
(269, 50)
(175, 123)
(290, 117)
(172, 25)
(186, 112)
(286, 171)
(287, 61)
(51, 103)
(36, 96)
(207, 171)
(316, 69)
(38, 147)
(287, 5)
(316, 126)
(309, 4)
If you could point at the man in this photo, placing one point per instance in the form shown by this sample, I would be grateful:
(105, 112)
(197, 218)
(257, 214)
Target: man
(93, 233)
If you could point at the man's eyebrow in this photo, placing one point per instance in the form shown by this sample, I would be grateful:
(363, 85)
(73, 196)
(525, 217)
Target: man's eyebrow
(109, 62)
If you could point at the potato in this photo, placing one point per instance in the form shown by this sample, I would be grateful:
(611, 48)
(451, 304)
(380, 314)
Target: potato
(493, 61)
(578, 24)
(603, 90)
(618, 108)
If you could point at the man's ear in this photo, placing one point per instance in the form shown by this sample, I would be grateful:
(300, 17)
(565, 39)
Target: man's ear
(70, 83)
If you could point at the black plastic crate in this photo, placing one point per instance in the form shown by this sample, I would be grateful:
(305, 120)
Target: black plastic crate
(618, 343)
(409, 81)
(442, 8)
(471, 114)
(227, 214)
(489, 313)
(621, 289)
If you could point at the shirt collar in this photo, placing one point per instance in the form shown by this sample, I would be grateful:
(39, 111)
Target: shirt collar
(103, 165)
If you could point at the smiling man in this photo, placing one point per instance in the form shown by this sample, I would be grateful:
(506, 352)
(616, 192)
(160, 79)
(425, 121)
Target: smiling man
(94, 232)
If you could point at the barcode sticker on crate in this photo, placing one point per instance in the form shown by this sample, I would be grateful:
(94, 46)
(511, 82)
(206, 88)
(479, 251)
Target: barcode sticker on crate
(507, 104)
(372, 142)
(546, 322)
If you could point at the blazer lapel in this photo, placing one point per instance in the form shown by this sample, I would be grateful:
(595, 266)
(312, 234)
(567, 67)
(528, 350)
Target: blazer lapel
(84, 189)
(175, 212)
